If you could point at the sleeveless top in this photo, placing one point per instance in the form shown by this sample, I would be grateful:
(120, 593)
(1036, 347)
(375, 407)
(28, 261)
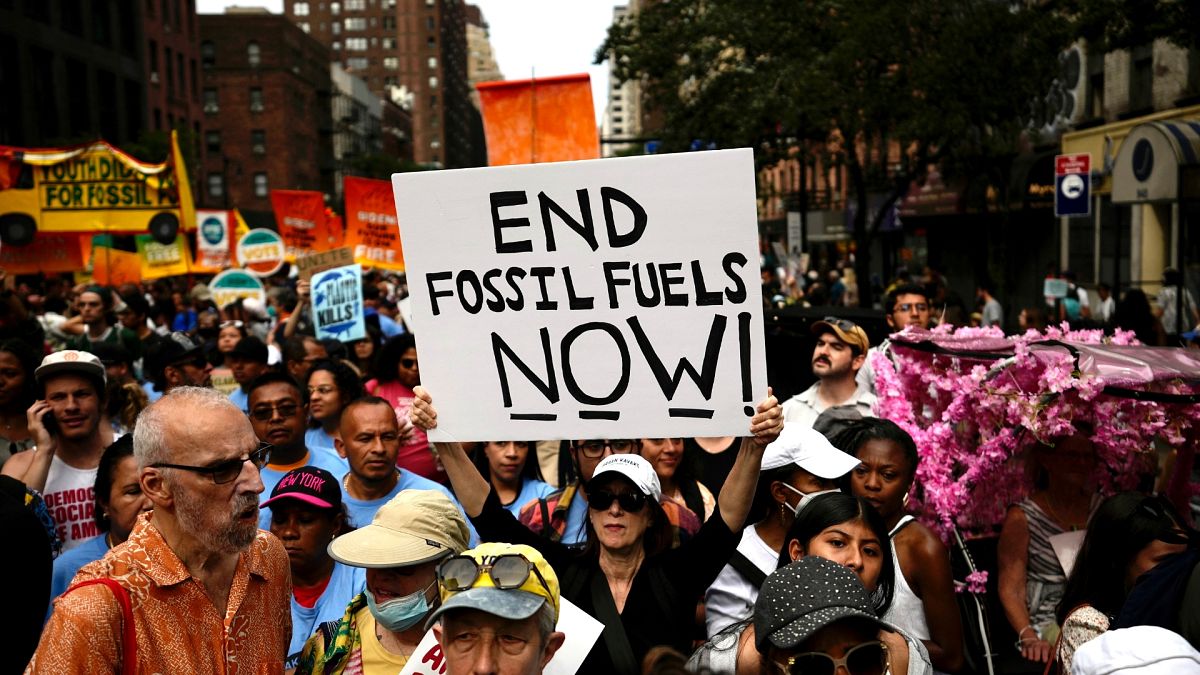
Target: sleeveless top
(1044, 576)
(906, 611)
(70, 497)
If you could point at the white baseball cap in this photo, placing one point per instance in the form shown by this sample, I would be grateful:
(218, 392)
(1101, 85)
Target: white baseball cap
(808, 449)
(634, 467)
(1140, 650)
(70, 361)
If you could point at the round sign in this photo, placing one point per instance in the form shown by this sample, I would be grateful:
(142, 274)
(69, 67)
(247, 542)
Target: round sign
(213, 230)
(260, 251)
(1143, 159)
(1072, 186)
(233, 285)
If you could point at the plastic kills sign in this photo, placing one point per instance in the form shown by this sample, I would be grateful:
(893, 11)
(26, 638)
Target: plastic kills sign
(337, 304)
(594, 299)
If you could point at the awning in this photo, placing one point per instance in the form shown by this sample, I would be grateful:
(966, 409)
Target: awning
(1147, 166)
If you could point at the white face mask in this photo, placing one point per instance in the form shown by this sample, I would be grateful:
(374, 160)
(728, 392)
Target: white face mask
(805, 497)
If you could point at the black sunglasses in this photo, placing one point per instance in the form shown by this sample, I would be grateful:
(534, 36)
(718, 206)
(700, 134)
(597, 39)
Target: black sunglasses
(408, 363)
(227, 471)
(266, 412)
(595, 449)
(630, 502)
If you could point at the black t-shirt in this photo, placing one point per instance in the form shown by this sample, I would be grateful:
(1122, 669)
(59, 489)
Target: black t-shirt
(661, 606)
(711, 468)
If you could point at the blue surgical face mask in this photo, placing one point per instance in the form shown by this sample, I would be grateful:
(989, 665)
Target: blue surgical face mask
(805, 498)
(400, 614)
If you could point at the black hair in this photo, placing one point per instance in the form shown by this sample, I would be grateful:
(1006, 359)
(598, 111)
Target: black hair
(375, 337)
(294, 350)
(369, 399)
(763, 504)
(334, 349)
(851, 439)
(106, 474)
(274, 377)
(348, 384)
(903, 289)
(825, 511)
(29, 361)
(1122, 526)
(136, 304)
(1171, 277)
(388, 362)
(531, 470)
(104, 293)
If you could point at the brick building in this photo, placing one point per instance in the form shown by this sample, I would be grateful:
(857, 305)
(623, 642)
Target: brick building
(266, 97)
(172, 43)
(406, 49)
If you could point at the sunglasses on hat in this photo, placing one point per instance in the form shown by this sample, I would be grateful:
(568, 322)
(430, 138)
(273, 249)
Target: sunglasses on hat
(507, 572)
(868, 658)
(630, 502)
(843, 324)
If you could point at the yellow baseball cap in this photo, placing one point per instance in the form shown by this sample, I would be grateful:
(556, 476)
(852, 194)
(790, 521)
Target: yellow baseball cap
(469, 581)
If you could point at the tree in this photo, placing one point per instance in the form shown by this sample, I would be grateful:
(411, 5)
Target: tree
(949, 81)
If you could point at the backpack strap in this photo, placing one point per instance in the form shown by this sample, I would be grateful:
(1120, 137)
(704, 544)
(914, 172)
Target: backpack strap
(547, 531)
(129, 631)
(747, 569)
(616, 641)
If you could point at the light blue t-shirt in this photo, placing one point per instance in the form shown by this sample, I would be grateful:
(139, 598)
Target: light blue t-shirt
(270, 477)
(531, 489)
(575, 532)
(67, 564)
(241, 399)
(317, 439)
(152, 394)
(345, 583)
(362, 511)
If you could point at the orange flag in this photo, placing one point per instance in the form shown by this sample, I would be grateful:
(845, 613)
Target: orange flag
(545, 120)
(300, 217)
(371, 230)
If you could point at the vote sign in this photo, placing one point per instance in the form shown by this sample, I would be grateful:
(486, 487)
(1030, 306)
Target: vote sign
(614, 298)
(1072, 184)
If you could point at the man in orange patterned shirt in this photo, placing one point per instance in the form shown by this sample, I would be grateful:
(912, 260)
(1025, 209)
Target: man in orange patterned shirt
(209, 591)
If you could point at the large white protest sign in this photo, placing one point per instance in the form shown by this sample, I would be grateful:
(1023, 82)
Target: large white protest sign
(605, 298)
(579, 628)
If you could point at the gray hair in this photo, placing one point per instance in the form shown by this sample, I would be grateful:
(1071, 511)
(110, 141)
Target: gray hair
(180, 403)
(546, 621)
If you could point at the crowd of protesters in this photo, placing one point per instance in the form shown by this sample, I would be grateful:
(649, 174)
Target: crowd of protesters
(209, 489)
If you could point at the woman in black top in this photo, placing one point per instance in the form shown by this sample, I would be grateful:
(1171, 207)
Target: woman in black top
(627, 577)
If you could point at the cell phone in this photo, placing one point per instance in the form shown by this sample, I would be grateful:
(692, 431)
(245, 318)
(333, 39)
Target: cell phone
(51, 423)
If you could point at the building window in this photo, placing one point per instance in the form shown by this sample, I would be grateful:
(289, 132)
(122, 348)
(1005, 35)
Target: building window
(357, 63)
(335, 8)
(256, 99)
(433, 101)
(433, 62)
(152, 52)
(388, 43)
(300, 9)
(435, 144)
(336, 46)
(389, 4)
(356, 5)
(391, 62)
(356, 23)
(356, 44)
(216, 185)
(336, 28)
(1141, 78)
(258, 141)
(388, 23)
(433, 82)
(254, 54)
(212, 141)
(210, 101)
(208, 54)
(430, 24)
(305, 26)
(260, 185)
(431, 42)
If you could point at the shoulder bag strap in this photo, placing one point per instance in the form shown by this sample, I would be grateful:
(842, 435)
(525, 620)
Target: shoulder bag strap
(128, 630)
(615, 639)
(747, 569)
(547, 530)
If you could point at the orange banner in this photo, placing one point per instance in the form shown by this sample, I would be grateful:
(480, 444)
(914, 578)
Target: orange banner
(47, 253)
(300, 217)
(371, 230)
(532, 121)
(113, 267)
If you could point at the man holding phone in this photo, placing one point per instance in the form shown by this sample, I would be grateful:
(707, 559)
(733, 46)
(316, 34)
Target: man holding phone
(65, 423)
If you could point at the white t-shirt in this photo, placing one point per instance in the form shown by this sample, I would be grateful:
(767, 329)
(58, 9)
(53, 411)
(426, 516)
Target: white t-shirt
(804, 408)
(70, 496)
(731, 597)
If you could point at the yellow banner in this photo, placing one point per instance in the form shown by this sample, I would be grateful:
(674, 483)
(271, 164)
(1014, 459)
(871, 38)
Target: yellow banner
(163, 260)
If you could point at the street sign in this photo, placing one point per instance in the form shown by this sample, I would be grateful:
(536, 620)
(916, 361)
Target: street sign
(1073, 185)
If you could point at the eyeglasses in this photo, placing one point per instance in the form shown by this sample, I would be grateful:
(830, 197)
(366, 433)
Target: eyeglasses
(226, 472)
(595, 449)
(408, 363)
(840, 323)
(324, 389)
(507, 571)
(912, 307)
(266, 412)
(630, 502)
(232, 324)
(868, 658)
